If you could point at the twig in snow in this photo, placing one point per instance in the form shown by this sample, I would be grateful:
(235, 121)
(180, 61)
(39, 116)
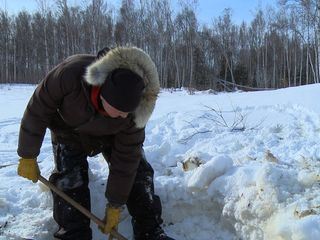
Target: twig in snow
(217, 116)
(185, 140)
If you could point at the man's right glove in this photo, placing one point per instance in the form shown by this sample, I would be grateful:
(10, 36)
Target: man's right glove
(28, 168)
(112, 218)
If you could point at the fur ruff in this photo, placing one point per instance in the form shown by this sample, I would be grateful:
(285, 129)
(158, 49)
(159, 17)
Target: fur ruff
(136, 60)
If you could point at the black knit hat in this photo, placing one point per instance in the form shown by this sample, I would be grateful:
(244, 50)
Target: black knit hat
(123, 89)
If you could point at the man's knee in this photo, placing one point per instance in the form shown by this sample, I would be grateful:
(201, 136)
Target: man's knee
(65, 181)
(144, 169)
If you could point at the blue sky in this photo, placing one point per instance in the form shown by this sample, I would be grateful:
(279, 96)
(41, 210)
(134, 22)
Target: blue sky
(206, 11)
(242, 10)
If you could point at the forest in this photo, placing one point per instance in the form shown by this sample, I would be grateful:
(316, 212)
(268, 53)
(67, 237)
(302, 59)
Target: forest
(279, 47)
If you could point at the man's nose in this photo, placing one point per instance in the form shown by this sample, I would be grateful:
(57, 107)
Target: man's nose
(123, 115)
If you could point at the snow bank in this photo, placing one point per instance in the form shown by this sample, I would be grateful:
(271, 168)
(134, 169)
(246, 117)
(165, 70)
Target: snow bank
(209, 171)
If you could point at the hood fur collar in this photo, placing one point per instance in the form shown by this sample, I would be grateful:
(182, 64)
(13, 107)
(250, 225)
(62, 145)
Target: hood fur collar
(136, 60)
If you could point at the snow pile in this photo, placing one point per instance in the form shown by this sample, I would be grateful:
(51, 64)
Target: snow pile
(206, 173)
(227, 166)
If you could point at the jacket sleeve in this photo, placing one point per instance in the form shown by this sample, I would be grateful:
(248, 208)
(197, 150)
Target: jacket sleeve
(41, 107)
(125, 158)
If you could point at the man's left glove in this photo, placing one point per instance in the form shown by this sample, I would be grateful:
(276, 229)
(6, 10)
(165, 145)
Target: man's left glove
(112, 218)
(28, 168)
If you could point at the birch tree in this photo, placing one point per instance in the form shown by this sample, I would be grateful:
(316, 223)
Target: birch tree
(5, 38)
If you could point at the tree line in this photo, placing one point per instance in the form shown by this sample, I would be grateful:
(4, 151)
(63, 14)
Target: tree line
(280, 47)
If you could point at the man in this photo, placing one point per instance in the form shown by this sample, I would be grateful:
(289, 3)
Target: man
(96, 105)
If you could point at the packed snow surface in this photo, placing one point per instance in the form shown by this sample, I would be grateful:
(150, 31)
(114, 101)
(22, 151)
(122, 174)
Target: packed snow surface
(227, 166)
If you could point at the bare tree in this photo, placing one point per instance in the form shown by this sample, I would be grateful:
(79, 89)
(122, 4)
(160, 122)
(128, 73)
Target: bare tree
(186, 26)
(5, 37)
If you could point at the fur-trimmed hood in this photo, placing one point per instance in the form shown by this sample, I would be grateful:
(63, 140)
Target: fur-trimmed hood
(136, 60)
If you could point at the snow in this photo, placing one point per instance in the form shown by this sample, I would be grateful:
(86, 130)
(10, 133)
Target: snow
(227, 166)
(206, 173)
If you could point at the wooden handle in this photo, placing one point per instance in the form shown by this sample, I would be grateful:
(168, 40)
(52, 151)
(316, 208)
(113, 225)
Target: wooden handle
(79, 207)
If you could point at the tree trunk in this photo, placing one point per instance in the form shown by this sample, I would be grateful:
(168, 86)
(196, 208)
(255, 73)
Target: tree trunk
(295, 67)
(14, 61)
(287, 63)
(301, 65)
(274, 68)
(307, 65)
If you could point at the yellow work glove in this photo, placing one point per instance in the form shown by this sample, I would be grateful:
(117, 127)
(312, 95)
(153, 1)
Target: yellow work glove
(28, 168)
(112, 219)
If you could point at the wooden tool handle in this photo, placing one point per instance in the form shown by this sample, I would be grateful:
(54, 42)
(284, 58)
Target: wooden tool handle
(79, 207)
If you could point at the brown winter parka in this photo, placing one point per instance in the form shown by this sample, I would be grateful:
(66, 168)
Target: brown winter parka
(61, 102)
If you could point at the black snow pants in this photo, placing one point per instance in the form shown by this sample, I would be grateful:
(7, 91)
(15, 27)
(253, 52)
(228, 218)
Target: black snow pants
(71, 176)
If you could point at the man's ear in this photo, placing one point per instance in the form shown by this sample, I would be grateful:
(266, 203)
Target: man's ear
(103, 52)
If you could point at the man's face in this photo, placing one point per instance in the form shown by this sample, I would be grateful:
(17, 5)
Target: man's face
(111, 111)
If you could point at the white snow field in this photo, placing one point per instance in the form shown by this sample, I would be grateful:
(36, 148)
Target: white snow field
(227, 166)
